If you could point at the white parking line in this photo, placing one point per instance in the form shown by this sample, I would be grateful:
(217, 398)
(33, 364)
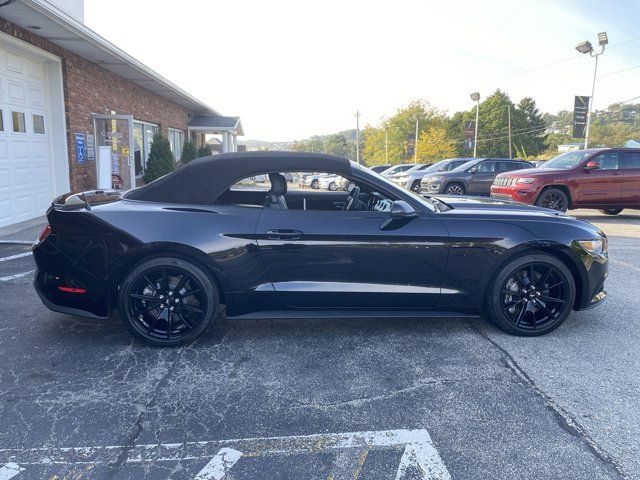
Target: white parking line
(420, 456)
(219, 465)
(17, 275)
(10, 470)
(13, 257)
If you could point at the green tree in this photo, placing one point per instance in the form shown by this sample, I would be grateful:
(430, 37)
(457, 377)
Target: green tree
(531, 140)
(204, 151)
(160, 160)
(189, 152)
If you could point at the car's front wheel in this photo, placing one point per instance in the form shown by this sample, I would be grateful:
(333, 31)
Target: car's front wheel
(553, 198)
(611, 211)
(167, 301)
(531, 295)
(454, 189)
(416, 186)
(333, 186)
(314, 184)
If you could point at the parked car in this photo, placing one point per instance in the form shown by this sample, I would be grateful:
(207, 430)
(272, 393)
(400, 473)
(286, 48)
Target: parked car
(416, 167)
(379, 168)
(606, 179)
(311, 180)
(411, 179)
(168, 254)
(397, 169)
(330, 182)
(474, 177)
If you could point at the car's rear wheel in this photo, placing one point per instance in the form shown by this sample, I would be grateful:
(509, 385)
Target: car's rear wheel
(553, 198)
(455, 189)
(168, 301)
(333, 186)
(314, 184)
(611, 211)
(531, 295)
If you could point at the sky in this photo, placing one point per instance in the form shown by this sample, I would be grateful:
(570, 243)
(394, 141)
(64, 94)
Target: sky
(292, 69)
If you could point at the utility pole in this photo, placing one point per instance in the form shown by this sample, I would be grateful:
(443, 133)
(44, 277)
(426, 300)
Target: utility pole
(510, 152)
(476, 98)
(415, 147)
(358, 137)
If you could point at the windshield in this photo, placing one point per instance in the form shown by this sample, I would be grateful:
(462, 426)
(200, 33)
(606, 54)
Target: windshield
(466, 165)
(415, 168)
(567, 160)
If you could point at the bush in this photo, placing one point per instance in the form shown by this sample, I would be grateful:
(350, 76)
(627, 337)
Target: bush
(204, 151)
(160, 160)
(189, 152)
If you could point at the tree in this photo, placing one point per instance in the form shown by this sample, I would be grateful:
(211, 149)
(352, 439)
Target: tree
(160, 160)
(530, 141)
(189, 152)
(204, 151)
(435, 145)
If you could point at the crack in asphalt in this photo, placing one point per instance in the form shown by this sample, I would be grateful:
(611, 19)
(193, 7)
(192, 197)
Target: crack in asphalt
(130, 442)
(565, 420)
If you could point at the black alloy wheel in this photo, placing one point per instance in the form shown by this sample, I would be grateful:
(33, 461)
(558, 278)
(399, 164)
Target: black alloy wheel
(167, 301)
(532, 295)
(455, 189)
(554, 199)
(611, 211)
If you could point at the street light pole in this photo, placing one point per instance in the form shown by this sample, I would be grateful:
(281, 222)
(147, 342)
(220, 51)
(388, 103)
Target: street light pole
(358, 137)
(476, 98)
(586, 47)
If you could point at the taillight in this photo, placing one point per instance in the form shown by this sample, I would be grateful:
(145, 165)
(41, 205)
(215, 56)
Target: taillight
(44, 233)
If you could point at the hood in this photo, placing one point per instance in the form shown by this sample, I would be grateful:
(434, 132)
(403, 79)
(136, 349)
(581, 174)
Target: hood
(493, 205)
(532, 172)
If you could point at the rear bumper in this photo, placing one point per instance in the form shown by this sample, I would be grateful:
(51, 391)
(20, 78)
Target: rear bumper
(62, 306)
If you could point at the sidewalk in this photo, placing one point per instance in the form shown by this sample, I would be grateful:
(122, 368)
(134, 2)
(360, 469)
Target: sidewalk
(24, 232)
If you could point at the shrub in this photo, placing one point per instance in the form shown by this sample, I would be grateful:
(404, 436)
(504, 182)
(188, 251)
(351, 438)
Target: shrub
(204, 151)
(160, 160)
(189, 152)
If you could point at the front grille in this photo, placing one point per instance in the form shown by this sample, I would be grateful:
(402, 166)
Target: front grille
(505, 181)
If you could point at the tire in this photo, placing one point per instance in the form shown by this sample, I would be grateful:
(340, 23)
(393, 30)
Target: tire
(527, 312)
(455, 188)
(611, 211)
(553, 198)
(155, 303)
(333, 187)
(416, 186)
(314, 184)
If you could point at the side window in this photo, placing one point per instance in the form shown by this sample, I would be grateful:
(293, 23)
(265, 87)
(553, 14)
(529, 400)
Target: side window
(508, 166)
(38, 124)
(608, 160)
(19, 125)
(629, 160)
(487, 167)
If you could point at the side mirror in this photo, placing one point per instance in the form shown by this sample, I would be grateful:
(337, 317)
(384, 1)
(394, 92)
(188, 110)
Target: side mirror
(592, 165)
(401, 209)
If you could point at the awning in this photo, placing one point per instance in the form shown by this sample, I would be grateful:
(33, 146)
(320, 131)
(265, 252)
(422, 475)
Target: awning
(216, 124)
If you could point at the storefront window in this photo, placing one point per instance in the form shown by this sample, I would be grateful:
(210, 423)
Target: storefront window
(176, 140)
(142, 137)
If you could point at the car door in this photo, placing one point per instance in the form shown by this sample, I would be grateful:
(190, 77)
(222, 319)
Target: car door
(630, 167)
(336, 259)
(600, 186)
(482, 177)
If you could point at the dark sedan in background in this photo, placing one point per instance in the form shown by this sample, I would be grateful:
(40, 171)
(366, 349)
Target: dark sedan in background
(168, 254)
(474, 177)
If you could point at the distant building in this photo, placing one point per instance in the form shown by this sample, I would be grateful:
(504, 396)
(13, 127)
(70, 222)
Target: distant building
(567, 147)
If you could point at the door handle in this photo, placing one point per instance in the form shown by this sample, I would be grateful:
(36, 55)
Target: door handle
(283, 234)
(615, 172)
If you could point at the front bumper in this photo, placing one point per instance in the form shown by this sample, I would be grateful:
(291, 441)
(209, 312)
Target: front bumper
(522, 193)
(430, 188)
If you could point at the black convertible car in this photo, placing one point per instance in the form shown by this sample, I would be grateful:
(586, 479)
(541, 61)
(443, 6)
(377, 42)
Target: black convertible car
(168, 254)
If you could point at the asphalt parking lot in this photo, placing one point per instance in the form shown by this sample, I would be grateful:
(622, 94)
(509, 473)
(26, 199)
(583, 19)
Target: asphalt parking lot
(357, 399)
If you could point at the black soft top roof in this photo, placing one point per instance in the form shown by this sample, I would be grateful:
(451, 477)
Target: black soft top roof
(201, 181)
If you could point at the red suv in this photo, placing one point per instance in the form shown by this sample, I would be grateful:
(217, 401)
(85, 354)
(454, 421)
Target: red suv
(607, 179)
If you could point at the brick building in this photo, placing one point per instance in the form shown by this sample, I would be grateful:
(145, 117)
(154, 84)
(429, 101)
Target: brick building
(78, 113)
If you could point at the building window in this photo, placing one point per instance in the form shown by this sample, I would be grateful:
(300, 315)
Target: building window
(38, 124)
(18, 122)
(143, 136)
(176, 140)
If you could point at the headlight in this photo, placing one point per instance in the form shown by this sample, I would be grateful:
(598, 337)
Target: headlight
(596, 247)
(525, 180)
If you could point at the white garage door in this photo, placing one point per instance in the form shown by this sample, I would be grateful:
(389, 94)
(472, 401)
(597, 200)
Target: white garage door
(26, 185)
